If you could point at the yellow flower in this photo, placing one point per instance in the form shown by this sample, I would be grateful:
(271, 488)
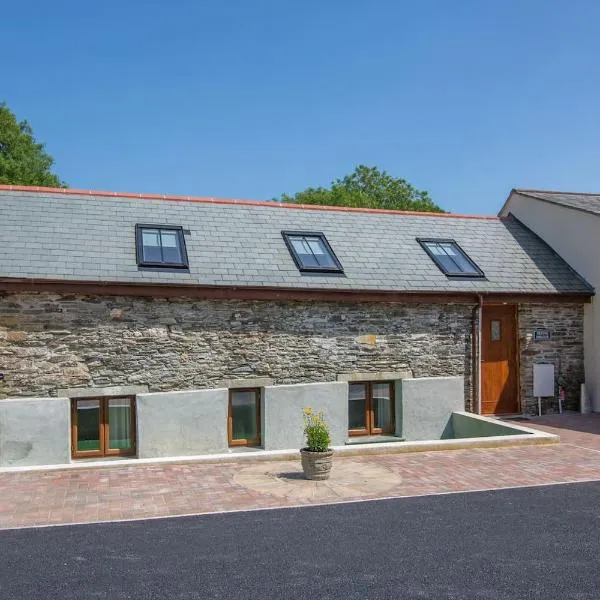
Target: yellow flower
(308, 411)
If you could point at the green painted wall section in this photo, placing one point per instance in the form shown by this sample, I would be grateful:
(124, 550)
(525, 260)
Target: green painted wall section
(464, 426)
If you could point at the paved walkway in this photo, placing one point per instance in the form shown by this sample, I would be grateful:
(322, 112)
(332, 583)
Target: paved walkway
(142, 491)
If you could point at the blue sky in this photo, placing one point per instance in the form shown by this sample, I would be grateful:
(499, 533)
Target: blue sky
(249, 99)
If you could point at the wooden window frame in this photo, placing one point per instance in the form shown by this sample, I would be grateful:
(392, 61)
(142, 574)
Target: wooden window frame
(287, 237)
(104, 433)
(370, 413)
(244, 442)
(477, 274)
(139, 247)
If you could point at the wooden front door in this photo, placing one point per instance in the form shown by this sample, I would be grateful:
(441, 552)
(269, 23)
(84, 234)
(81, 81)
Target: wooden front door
(499, 376)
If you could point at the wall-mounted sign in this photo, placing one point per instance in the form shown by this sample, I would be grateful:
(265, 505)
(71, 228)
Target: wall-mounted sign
(542, 335)
(543, 380)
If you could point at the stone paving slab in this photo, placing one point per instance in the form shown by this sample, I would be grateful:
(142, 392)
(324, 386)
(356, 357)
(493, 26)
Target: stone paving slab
(146, 491)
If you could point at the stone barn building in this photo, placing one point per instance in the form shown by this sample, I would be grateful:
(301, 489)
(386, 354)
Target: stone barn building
(165, 326)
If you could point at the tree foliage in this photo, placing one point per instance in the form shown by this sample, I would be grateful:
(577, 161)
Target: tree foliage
(367, 187)
(23, 161)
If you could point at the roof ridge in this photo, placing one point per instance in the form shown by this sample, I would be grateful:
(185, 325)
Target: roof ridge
(531, 190)
(212, 200)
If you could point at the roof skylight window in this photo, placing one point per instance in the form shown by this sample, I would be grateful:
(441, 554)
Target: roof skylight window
(450, 258)
(311, 252)
(160, 246)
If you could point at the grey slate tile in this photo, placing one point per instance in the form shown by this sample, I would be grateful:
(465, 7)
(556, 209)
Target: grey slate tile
(585, 202)
(92, 238)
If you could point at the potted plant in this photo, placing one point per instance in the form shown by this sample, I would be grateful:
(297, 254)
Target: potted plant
(317, 456)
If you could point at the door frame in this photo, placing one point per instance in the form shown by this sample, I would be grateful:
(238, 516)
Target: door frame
(104, 429)
(517, 348)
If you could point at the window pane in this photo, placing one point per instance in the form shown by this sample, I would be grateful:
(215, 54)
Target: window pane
(152, 254)
(150, 237)
(151, 245)
(305, 255)
(316, 245)
(169, 239)
(464, 265)
(448, 264)
(496, 331)
(244, 423)
(300, 245)
(357, 406)
(451, 259)
(308, 260)
(435, 248)
(462, 262)
(119, 424)
(170, 247)
(449, 249)
(382, 405)
(441, 256)
(321, 253)
(88, 425)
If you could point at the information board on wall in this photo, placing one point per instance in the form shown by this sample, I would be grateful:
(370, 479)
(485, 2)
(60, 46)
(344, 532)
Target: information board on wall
(543, 380)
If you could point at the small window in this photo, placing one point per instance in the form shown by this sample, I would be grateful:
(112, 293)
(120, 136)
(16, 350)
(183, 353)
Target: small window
(103, 426)
(371, 408)
(496, 335)
(244, 417)
(450, 258)
(312, 252)
(160, 246)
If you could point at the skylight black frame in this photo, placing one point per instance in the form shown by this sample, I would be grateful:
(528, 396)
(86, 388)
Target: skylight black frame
(287, 235)
(479, 274)
(139, 247)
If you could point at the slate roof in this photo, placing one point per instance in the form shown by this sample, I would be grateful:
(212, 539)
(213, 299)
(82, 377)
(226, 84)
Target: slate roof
(88, 236)
(581, 201)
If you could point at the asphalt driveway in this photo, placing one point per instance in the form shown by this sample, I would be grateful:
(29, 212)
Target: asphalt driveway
(540, 542)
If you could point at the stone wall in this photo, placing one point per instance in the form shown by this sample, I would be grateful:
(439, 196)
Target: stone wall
(564, 350)
(48, 342)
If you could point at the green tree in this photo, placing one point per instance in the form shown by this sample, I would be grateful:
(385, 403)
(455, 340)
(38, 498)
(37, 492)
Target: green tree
(367, 187)
(23, 161)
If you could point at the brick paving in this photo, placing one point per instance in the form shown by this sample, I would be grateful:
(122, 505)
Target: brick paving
(142, 491)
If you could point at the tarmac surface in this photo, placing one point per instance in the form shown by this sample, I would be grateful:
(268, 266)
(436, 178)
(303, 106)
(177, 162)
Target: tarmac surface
(535, 542)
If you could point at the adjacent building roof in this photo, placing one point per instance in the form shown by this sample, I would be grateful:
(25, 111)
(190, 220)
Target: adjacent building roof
(73, 235)
(581, 201)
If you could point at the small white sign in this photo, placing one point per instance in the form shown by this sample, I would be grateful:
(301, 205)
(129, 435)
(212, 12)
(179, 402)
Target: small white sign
(543, 380)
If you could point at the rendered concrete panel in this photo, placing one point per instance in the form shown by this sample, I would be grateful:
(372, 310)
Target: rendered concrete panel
(426, 407)
(473, 426)
(182, 423)
(34, 431)
(282, 414)
(398, 406)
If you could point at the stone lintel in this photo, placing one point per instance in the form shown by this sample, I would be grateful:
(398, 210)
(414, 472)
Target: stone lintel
(92, 392)
(250, 382)
(380, 376)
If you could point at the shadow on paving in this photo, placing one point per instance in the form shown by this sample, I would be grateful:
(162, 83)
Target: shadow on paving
(588, 423)
(523, 543)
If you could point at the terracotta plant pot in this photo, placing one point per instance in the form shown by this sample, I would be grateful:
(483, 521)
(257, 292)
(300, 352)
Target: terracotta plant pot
(316, 465)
